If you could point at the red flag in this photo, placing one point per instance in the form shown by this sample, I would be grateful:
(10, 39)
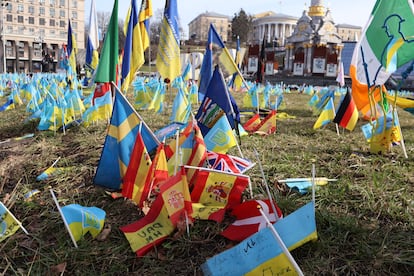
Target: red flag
(176, 195)
(217, 191)
(198, 154)
(252, 123)
(249, 220)
(267, 125)
(150, 230)
(135, 183)
(159, 169)
(100, 90)
(170, 148)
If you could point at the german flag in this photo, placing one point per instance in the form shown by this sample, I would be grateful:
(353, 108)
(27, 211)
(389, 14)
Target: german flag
(347, 115)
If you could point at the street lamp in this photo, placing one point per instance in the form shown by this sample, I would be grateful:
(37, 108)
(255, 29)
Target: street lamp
(3, 41)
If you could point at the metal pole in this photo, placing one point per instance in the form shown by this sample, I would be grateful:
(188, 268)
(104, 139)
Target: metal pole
(3, 4)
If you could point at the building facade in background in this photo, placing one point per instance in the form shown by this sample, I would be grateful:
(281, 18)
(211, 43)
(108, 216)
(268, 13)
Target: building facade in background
(273, 27)
(199, 26)
(33, 32)
(348, 32)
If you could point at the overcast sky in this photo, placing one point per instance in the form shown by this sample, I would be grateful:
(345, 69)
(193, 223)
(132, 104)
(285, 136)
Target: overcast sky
(354, 12)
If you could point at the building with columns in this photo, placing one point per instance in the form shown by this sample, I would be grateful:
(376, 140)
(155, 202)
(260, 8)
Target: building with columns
(314, 48)
(273, 27)
(33, 28)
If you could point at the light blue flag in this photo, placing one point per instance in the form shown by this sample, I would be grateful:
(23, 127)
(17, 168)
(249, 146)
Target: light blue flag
(220, 138)
(82, 220)
(181, 108)
(260, 254)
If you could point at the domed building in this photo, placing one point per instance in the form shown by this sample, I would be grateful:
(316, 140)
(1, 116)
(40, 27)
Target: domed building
(273, 27)
(314, 48)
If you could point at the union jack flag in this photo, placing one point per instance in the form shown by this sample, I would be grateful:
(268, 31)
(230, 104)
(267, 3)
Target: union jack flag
(228, 163)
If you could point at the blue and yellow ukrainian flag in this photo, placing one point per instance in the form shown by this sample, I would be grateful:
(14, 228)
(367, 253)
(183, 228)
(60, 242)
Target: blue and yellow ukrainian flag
(71, 48)
(145, 14)
(220, 138)
(82, 220)
(133, 57)
(168, 56)
(119, 143)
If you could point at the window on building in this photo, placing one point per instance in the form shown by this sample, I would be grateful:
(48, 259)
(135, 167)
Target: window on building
(52, 2)
(75, 4)
(62, 3)
(9, 48)
(9, 29)
(74, 15)
(52, 33)
(41, 11)
(42, 21)
(20, 29)
(31, 30)
(62, 13)
(21, 48)
(52, 22)
(20, 8)
(9, 18)
(52, 12)
(9, 7)
(37, 49)
(21, 63)
(31, 9)
(31, 20)
(41, 2)
(62, 23)
(20, 19)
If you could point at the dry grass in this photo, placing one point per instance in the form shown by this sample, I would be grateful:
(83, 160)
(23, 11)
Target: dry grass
(365, 220)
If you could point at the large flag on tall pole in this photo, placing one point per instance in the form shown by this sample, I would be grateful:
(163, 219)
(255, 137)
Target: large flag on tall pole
(168, 56)
(106, 71)
(71, 48)
(92, 56)
(385, 45)
(145, 14)
(133, 56)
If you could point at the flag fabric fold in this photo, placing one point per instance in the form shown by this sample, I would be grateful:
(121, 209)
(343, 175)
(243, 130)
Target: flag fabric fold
(168, 55)
(217, 101)
(145, 13)
(260, 254)
(326, 116)
(176, 195)
(92, 56)
(133, 51)
(108, 63)
(8, 223)
(215, 191)
(82, 220)
(150, 230)
(249, 220)
(347, 114)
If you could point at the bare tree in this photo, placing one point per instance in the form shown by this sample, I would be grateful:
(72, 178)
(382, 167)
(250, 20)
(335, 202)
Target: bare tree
(103, 19)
